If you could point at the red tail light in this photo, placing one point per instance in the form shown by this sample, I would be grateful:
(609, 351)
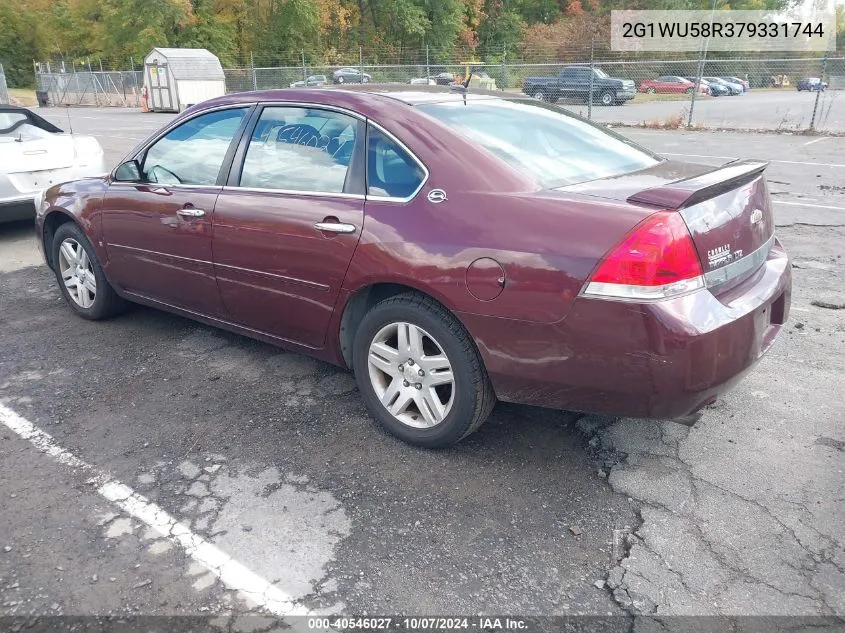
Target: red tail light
(656, 260)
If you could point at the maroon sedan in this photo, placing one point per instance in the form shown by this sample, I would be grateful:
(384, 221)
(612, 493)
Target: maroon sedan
(451, 249)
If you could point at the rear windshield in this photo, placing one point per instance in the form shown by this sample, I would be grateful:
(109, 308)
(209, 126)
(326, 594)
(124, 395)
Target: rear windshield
(546, 143)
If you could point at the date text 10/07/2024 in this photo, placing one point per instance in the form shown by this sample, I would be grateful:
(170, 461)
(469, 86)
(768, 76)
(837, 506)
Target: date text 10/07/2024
(400, 623)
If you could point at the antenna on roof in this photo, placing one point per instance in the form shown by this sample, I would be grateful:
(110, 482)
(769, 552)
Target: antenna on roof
(69, 124)
(464, 87)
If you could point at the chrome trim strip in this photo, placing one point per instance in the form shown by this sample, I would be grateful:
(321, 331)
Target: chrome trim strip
(293, 192)
(149, 252)
(735, 269)
(314, 106)
(293, 280)
(415, 159)
(159, 185)
(643, 294)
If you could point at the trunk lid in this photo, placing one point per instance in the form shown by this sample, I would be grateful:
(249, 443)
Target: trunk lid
(36, 154)
(727, 210)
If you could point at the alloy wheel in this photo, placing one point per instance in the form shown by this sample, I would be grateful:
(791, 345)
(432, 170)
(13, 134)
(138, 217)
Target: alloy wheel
(411, 375)
(77, 273)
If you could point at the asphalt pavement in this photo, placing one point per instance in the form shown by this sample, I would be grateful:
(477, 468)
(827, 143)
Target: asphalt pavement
(189, 471)
(765, 110)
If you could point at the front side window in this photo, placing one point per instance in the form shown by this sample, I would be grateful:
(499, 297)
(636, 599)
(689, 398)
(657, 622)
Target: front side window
(549, 145)
(391, 172)
(300, 149)
(193, 153)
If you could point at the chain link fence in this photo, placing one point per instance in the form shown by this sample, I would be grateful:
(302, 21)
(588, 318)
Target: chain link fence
(789, 93)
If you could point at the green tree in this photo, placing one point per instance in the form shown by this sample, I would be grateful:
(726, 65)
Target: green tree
(17, 45)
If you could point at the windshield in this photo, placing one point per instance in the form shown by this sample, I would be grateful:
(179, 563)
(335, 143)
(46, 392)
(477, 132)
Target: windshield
(547, 144)
(16, 126)
(601, 74)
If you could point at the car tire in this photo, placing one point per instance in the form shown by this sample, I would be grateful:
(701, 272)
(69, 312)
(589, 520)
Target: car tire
(539, 95)
(76, 267)
(689, 91)
(384, 378)
(651, 91)
(340, 79)
(606, 98)
(365, 80)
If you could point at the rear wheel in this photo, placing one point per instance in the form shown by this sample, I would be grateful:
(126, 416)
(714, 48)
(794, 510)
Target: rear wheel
(80, 277)
(606, 98)
(651, 91)
(419, 372)
(539, 95)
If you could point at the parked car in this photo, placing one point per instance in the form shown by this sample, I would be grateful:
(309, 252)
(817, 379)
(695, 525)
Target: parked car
(668, 84)
(350, 76)
(444, 79)
(597, 279)
(738, 80)
(35, 154)
(811, 84)
(312, 81)
(735, 89)
(422, 81)
(714, 89)
(574, 81)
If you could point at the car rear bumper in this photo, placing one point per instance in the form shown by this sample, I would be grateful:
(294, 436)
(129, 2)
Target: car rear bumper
(666, 359)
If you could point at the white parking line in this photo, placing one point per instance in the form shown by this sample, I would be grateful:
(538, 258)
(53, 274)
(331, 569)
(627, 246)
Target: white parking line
(230, 572)
(804, 204)
(783, 162)
(823, 138)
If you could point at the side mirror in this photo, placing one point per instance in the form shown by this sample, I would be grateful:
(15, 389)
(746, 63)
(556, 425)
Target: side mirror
(130, 171)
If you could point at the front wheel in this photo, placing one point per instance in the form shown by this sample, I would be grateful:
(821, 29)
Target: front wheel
(419, 372)
(606, 98)
(651, 91)
(539, 95)
(80, 276)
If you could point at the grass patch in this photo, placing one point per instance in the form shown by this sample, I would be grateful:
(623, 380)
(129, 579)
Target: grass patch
(22, 96)
(644, 97)
(672, 122)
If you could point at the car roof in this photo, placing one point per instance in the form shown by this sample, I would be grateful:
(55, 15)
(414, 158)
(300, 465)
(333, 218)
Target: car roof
(368, 100)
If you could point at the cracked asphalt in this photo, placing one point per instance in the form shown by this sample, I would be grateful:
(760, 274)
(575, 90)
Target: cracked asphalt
(272, 458)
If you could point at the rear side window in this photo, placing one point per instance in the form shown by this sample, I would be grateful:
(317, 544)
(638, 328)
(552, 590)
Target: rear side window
(391, 171)
(300, 149)
(546, 143)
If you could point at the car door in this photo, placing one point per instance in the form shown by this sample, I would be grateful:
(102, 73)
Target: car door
(157, 214)
(289, 220)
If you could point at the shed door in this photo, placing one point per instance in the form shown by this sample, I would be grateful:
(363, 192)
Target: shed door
(160, 97)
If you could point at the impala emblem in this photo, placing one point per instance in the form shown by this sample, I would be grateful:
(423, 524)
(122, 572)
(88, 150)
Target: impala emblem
(437, 196)
(756, 216)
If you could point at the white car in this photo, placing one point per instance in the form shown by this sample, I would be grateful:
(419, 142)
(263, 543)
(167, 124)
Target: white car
(35, 155)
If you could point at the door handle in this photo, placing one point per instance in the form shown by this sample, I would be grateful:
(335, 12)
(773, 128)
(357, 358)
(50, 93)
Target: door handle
(190, 212)
(335, 227)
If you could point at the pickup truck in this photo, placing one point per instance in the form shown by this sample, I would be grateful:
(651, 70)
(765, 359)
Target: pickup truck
(574, 82)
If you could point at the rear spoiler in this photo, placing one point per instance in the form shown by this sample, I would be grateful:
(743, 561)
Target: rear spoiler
(690, 191)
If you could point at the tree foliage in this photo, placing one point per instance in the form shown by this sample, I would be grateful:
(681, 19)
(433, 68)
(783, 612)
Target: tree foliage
(325, 31)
